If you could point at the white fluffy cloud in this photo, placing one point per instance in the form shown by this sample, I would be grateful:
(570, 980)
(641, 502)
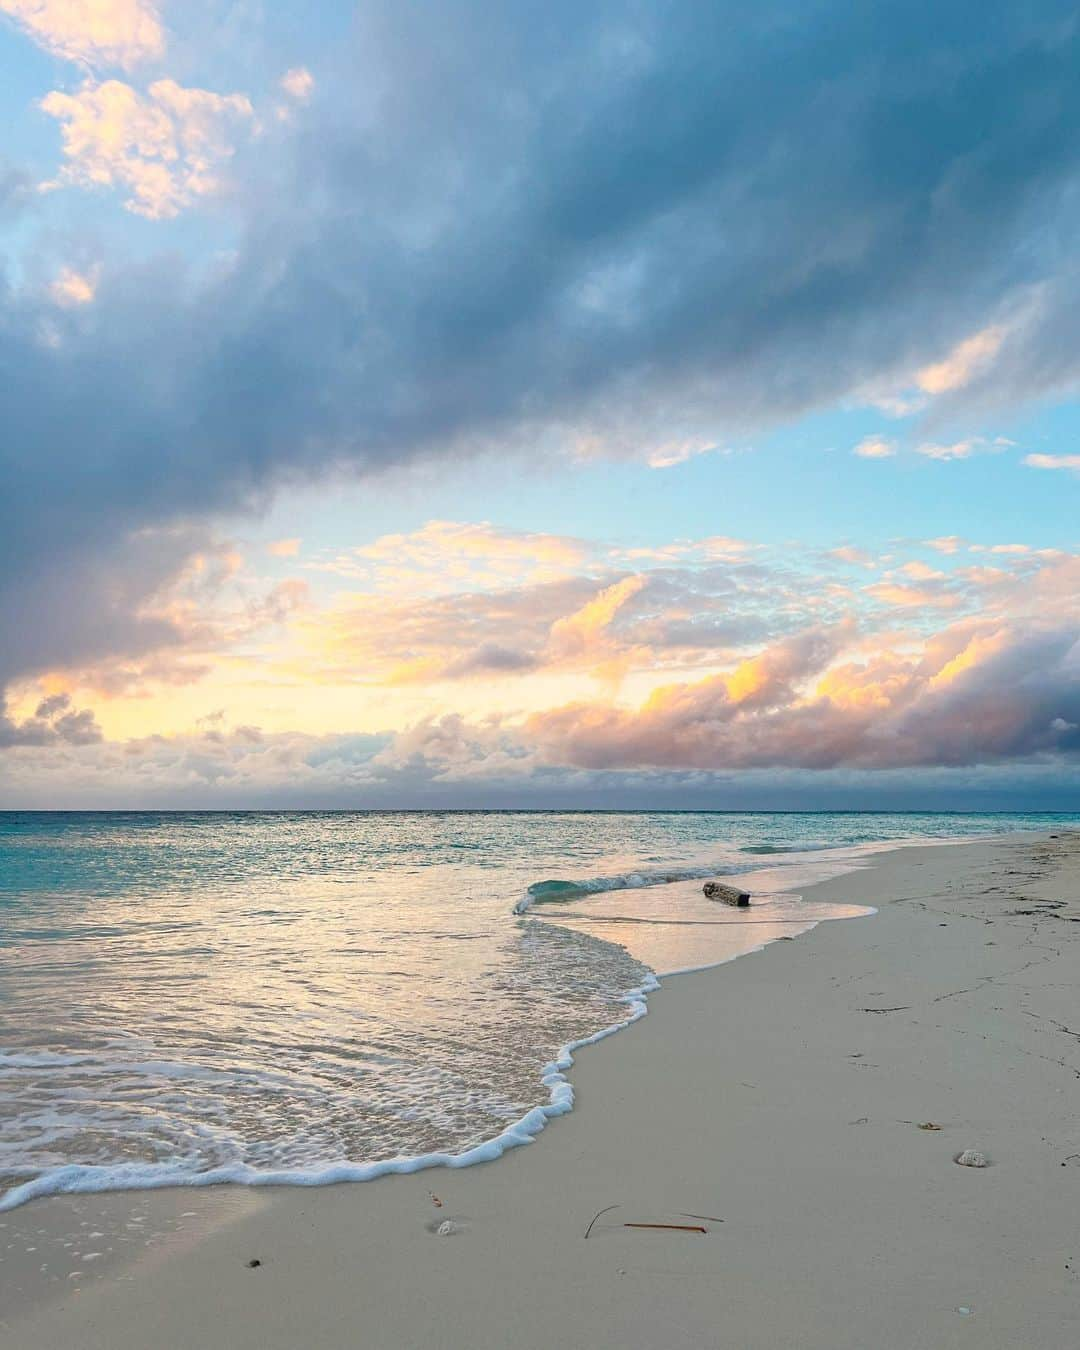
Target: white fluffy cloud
(298, 83)
(95, 32)
(165, 148)
(966, 360)
(72, 288)
(965, 449)
(1053, 462)
(874, 447)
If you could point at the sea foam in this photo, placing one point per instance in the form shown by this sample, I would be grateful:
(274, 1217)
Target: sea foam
(91, 1179)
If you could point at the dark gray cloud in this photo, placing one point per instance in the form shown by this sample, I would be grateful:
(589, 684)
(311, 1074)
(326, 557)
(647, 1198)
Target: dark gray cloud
(517, 225)
(492, 658)
(54, 722)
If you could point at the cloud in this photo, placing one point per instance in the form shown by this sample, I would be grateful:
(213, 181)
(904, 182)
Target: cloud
(490, 658)
(443, 553)
(579, 632)
(965, 449)
(54, 722)
(854, 557)
(546, 625)
(966, 360)
(155, 612)
(970, 696)
(901, 596)
(838, 700)
(466, 765)
(284, 548)
(165, 148)
(592, 227)
(440, 540)
(405, 638)
(713, 548)
(17, 192)
(920, 571)
(676, 612)
(669, 454)
(121, 33)
(873, 447)
(1053, 462)
(768, 680)
(71, 288)
(430, 611)
(298, 83)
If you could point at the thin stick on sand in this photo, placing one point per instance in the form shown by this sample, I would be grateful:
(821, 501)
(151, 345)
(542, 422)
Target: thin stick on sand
(674, 1227)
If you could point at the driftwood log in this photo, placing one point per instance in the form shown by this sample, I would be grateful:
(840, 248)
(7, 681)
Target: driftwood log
(731, 895)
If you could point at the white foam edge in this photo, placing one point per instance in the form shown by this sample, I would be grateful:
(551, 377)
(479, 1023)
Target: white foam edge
(89, 1179)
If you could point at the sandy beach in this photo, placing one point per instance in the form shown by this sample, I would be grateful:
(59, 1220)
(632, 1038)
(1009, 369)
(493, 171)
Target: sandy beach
(778, 1103)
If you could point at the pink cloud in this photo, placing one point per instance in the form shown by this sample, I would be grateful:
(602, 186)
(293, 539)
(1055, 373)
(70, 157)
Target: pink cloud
(968, 698)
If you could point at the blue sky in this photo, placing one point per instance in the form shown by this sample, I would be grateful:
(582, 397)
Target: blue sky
(411, 403)
(827, 496)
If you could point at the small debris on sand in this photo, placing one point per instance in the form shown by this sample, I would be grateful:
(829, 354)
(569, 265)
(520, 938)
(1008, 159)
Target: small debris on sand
(971, 1157)
(448, 1228)
(670, 1227)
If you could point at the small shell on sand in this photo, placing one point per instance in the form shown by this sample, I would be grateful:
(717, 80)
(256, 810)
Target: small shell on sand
(448, 1228)
(971, 1157)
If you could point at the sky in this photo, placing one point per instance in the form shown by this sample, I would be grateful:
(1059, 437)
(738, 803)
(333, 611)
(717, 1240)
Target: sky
(487, 404)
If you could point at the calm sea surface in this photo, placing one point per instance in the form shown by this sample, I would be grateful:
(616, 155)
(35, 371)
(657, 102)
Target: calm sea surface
(305, 996)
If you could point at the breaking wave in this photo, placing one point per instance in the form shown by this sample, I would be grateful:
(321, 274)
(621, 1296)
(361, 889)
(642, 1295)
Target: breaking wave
(557, 892)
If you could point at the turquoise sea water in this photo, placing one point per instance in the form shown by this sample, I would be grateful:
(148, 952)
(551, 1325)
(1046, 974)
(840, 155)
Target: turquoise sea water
(303, 996)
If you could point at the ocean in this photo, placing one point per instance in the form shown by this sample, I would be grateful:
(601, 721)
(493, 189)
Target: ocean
(304, 997)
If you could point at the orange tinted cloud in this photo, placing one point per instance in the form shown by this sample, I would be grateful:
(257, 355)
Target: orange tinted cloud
(445, 554)
(895, 593)
(969, 696)
(749, 656)
(580, 630)
(165, 148)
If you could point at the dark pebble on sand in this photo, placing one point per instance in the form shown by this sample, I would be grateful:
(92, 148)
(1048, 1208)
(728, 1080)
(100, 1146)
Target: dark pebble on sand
(254, 1262)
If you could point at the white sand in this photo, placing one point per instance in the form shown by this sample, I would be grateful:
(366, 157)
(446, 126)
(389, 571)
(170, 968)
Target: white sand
(782, 1093)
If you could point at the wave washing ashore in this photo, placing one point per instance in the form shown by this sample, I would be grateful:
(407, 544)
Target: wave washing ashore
(314, 997)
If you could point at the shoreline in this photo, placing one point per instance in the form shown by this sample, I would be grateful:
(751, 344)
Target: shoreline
(340, 1250)
(553, 1075)
(101, 1179)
